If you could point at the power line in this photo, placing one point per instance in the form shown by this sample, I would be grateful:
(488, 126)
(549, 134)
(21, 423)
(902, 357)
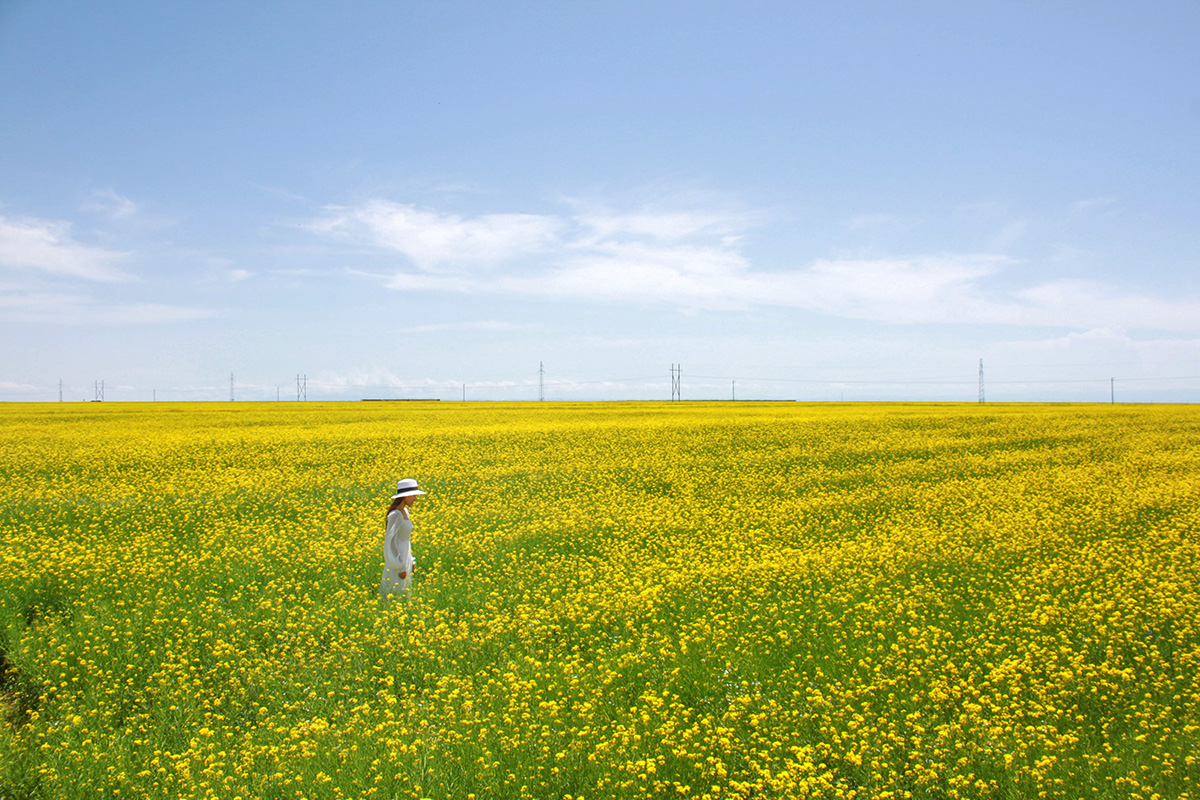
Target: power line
(943, 382)
(933, 382)
(1101, 380)
(1177, 378)
(643, 384)
(604, 380)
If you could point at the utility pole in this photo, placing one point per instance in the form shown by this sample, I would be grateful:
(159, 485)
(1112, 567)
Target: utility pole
(733, 391)
(231, 387)
(60, 390)
(981, 398)
(1112, 391)
(541, 381)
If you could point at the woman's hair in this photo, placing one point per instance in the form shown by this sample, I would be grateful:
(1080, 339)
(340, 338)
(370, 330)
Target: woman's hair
(395, 504)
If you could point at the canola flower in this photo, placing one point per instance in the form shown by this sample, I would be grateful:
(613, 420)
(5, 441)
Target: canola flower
(724, 600)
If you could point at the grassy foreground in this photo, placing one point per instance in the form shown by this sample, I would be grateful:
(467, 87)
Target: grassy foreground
(611, 600)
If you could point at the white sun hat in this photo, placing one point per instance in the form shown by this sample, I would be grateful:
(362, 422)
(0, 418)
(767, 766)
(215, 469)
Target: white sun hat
(406, 488)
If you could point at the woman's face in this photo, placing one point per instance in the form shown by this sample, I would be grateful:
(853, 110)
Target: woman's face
(407, 502)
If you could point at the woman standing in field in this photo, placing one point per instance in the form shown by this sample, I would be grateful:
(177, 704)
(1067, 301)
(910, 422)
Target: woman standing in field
(398, 560)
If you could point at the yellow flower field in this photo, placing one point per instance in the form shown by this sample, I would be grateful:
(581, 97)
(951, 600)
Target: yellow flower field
(722, 600)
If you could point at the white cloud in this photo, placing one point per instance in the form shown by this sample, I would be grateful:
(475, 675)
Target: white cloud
(1087, 304)
(112, 205)
(879, 223)
(479, 325)
(1008, 235)
(47, 246)
(939, 288)
(659, 226)
(693, 259)
(689, 275)
(1076, 348)
(75, 309)
(142, 314)
(433, 240)
(1096, 353)
(380, 379)
(1089, 206)
(9, 387)
(424, 282)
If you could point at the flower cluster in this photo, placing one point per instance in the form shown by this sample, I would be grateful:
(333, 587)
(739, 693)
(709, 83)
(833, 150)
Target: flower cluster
(701, 600)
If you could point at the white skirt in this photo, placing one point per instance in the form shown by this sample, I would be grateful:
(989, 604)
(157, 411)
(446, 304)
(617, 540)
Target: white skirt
(392, 583)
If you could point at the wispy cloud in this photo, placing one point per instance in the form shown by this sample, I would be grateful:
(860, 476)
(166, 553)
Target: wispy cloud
(694, 259)
(1008, 235)
(1089, 304)
(704, 276)
(1089, 206)
(278, 192)
(1083, 353)
(9, 387)
(604, 225)
(478, 325)
(76, 309)
(48, 247)
(435, 241)
(112, 205)
(378, 379)
(906, 290)
(871, 223)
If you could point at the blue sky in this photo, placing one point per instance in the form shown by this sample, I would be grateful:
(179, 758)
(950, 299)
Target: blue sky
(813, 201)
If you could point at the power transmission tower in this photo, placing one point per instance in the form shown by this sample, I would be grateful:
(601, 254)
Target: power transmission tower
(301, 388)
(100, 390)
(541, 381)
(231, 387)
(981, 399)
(60, 390)
(676, 374)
